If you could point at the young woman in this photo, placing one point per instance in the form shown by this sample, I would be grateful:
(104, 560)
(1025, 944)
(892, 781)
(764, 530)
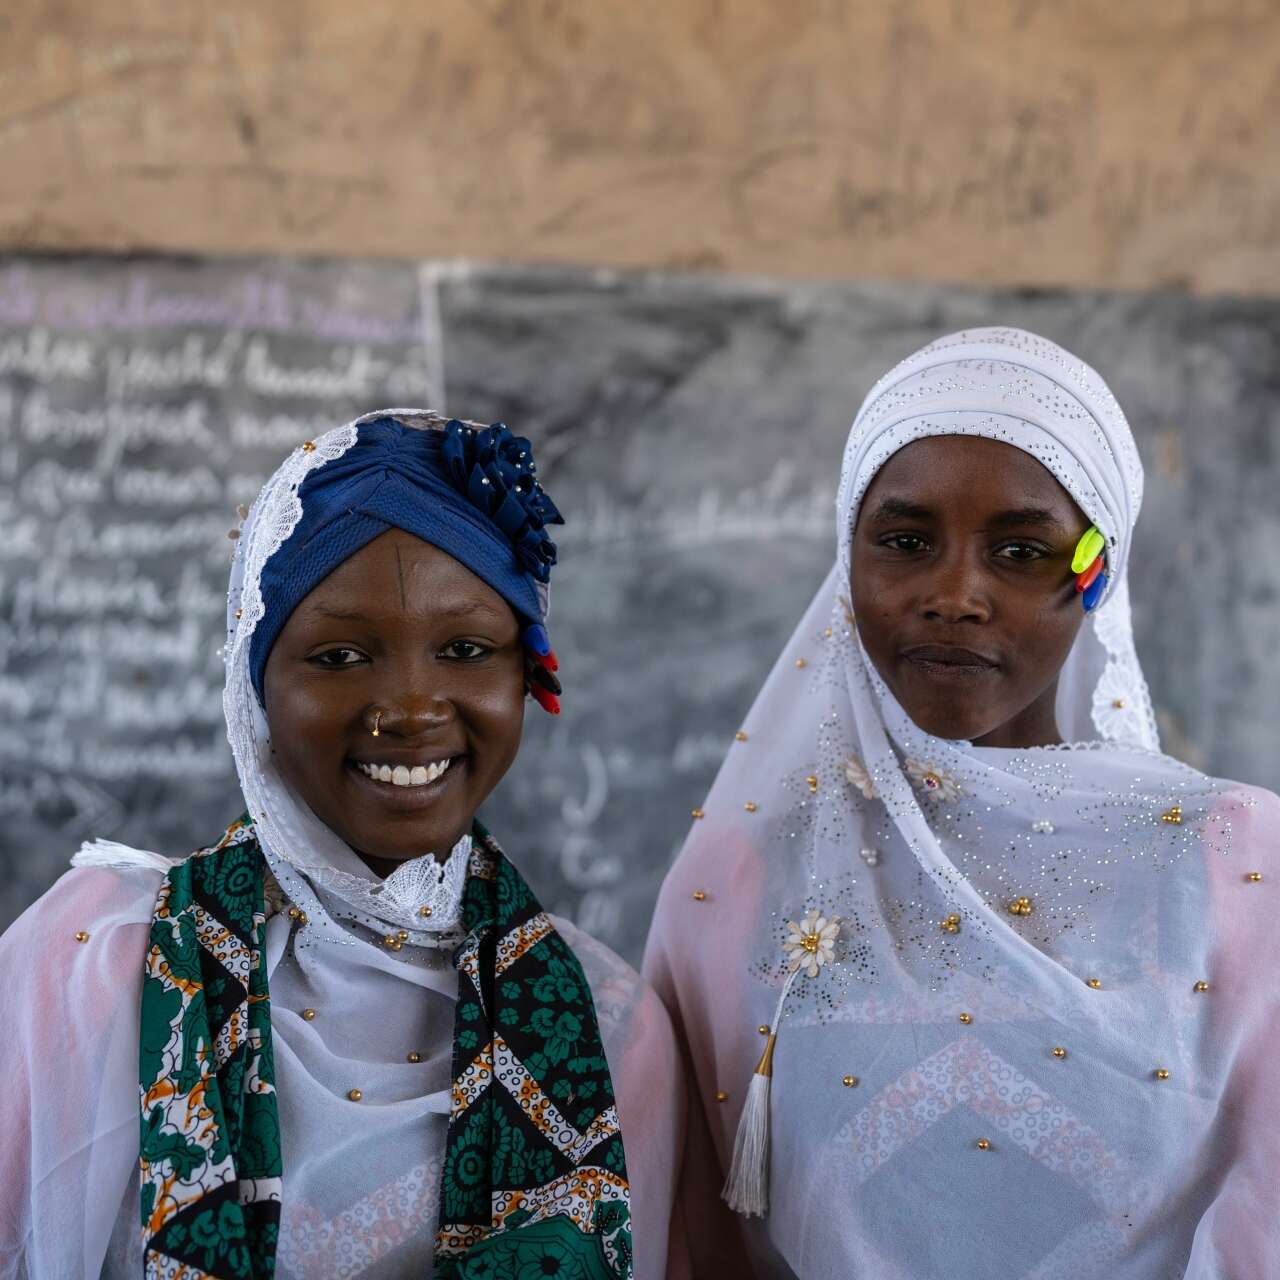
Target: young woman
(1004, 972)
(360, 1045)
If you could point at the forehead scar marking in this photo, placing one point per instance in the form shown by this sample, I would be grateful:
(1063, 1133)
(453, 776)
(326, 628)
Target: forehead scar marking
(400, 574)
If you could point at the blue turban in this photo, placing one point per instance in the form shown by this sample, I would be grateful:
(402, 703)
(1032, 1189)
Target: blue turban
(471, 493)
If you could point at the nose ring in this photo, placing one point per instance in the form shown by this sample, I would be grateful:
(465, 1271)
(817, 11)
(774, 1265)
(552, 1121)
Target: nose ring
(377, 718)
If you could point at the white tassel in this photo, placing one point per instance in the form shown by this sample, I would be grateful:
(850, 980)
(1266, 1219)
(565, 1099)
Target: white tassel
(107, 853)
(746, 1189)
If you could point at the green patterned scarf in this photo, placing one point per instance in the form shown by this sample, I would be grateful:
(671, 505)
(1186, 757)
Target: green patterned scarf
(534, 1180)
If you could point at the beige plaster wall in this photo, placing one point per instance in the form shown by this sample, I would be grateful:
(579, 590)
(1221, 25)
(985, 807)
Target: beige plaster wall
(1125, 142)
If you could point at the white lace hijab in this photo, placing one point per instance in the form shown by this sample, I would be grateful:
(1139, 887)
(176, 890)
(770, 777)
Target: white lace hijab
(315, 867)
(936, 1025)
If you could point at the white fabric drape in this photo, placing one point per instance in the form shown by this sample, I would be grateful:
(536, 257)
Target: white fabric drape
(361, 1178)
(939, 1024)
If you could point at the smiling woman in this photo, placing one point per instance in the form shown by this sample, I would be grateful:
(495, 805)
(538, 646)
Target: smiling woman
(364, 1047)
(1010, 963)
(404, 639)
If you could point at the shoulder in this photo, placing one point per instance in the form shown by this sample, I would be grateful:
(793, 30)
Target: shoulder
(95, 900)
(1241, 841)
(615, 985)
(73, 964)
(623, 999)
(1244, 820)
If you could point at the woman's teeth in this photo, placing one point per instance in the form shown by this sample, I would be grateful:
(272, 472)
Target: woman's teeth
(401, 775)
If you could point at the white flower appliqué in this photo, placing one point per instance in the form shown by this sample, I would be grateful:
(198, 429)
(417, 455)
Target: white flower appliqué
(811, 943)
(936, 783)
(856, 774)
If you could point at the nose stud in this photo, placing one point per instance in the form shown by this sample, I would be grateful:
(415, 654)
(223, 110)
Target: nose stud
(377, 720)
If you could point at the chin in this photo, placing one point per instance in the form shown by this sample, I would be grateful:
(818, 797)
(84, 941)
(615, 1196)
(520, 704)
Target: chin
(953, 723)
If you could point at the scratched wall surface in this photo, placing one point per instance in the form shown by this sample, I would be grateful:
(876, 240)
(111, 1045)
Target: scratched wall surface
(689, 425)
(1129, 144)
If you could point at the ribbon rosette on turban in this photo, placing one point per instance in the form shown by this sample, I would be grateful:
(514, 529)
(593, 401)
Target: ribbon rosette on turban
(496, 471)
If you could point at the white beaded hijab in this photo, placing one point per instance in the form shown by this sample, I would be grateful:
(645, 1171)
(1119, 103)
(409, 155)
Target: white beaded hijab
(825, 700)
(1056, 895)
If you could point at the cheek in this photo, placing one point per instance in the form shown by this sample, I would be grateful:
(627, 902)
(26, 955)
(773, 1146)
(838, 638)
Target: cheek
(496, 712)
(876, 604)
(307, 714)
(1049, 632)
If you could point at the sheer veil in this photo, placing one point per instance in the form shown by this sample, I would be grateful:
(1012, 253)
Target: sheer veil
(994, 906)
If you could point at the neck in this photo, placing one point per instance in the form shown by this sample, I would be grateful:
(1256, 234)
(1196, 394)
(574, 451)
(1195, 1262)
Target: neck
(1035, 725)
(383, 867)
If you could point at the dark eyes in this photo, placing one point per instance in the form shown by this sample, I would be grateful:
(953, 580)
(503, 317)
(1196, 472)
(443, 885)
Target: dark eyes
(340, 657)
(908, 542)
(1019, 552)
(1022, 551)
(343, 656)
(464, 651)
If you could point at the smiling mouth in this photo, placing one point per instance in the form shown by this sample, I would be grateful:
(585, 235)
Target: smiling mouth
(402, 775)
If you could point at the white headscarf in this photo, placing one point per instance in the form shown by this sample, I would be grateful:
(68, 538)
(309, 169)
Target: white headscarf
(936, 1024)
(314, 865)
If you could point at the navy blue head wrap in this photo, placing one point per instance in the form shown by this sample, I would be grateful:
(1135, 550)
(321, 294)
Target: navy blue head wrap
(471, 493)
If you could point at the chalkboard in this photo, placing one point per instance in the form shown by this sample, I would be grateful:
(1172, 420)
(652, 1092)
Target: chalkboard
(690, 427)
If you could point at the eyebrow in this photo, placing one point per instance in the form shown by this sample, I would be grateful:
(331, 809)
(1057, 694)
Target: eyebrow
(1019, 517)
(891, 508)
(460, 609)
(900, 509)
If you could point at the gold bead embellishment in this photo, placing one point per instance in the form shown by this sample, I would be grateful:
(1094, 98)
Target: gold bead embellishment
(1160, 1073)
(1059, 1052)
(354, 1095)
(984, 1144)
(801, 664)
(827, 633)
(740, 736)
(424, 912)
(1021, 907)
(966, 1018)
(1172, 816)
(303, 918)
(850, 1082)
(721, 1096)
(415, 1056)
(239, 613)
(1118, 703)
(1201, 987)
(388, 940)
(698, 814)
(308, 446)
(699, 895)
(308, 1015)
(1095, 983)
(812, 783)
(763, 1029)
(293, 913)
(402, 935)
(81, 936)
(951, 924)
(751, 806)
(1254, 877)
